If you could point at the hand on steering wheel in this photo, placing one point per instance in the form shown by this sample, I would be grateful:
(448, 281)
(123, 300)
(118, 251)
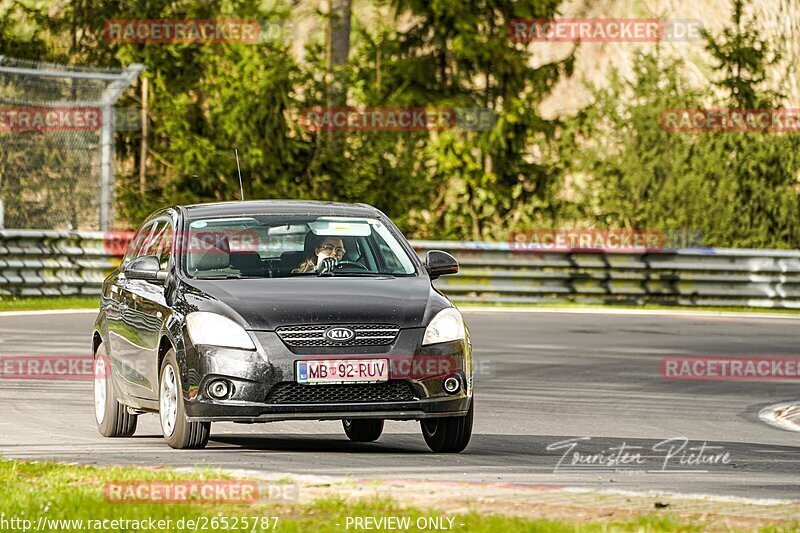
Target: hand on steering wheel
(327, 265)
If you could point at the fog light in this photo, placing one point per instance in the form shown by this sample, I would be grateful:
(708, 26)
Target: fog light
(451, 385)
(219, 389)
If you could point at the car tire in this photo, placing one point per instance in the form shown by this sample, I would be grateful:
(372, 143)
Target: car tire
(363, 430)
(112, 417)
(448, 434)
(178, 431)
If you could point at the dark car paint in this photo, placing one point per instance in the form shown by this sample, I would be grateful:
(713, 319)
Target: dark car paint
(139, 320)
(325, 300)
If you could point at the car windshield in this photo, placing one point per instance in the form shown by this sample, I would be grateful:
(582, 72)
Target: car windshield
(297, 246)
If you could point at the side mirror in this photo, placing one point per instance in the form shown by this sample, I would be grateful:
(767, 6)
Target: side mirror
(146, 268)
(439, 263)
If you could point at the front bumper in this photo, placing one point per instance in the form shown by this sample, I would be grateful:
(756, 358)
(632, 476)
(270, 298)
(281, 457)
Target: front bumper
(254, 374)
(250, 412)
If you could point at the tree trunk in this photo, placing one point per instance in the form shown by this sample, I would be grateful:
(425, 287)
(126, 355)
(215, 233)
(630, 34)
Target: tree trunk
(339, 12)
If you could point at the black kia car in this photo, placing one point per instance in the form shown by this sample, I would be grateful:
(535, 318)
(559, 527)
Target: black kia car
(262, 311)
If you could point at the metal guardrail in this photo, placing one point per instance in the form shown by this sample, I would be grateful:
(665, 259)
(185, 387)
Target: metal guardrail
(52, 263)
(34, 262)
(503, 273)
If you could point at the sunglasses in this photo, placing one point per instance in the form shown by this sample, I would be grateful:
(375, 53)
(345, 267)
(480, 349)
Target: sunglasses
(330, 248)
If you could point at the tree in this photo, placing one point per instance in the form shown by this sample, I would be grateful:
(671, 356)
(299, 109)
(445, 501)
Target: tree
(640, 176)
(741, 58)
(458, 54)
(765, 165)
(339, 14)
(735, 188)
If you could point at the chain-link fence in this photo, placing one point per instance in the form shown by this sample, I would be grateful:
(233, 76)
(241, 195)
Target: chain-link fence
(56, 144)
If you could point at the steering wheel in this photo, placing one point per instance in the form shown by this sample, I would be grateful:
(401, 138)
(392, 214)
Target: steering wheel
(345, 264)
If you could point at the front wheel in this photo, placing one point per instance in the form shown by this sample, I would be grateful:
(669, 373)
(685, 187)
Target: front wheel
(179, 432)
(113, 418)
(448, 434)
(363, 430)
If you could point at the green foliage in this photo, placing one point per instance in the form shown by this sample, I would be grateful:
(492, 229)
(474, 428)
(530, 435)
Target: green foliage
(459, 55)
(22, 39)
(737, 189)
(742, 57)
(612, 165)
(208, 99)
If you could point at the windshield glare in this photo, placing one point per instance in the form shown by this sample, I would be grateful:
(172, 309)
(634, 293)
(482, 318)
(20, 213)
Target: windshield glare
(282, 247)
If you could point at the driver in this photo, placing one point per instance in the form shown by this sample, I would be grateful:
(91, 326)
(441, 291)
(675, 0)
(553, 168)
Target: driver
(327, 255)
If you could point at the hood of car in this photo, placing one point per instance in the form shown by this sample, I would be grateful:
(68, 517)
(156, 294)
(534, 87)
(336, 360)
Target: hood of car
(267, 304)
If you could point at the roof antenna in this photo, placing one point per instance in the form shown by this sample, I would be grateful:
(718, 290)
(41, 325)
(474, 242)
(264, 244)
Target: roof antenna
(238, 168)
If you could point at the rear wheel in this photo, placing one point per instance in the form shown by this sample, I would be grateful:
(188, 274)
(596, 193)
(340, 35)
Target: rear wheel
(179, 432)
(113, 419)
(450, 434)
(363, 430)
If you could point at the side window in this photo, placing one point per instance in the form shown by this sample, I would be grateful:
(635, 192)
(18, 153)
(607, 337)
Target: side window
(165, 246)
(159, 243)
(138, 241)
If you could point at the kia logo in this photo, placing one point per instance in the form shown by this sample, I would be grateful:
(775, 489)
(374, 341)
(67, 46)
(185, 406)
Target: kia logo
(339, 334)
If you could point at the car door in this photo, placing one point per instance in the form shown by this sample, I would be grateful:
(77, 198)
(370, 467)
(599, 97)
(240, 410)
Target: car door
(146, 312)
(119, 333)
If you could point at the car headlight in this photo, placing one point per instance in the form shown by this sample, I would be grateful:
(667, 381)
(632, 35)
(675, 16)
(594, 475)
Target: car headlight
(217, 330)
(446, 326)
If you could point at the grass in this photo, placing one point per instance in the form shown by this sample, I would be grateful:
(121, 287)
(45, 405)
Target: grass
(70, 492)
(333, 514)
(38, 303)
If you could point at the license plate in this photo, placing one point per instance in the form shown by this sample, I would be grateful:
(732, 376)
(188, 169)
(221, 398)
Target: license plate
(342, 371)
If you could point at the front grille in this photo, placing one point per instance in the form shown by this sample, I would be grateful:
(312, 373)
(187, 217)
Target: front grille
(365, 335)
(387, 391)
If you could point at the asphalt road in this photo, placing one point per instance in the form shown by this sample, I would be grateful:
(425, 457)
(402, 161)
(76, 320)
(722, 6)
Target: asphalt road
(543, 378)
